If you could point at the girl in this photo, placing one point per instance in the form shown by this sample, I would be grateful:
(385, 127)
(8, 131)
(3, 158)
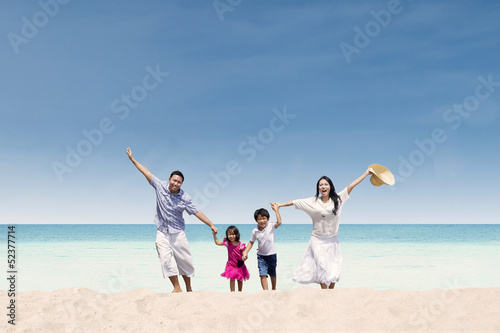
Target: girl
(235, 267)
(322, 260)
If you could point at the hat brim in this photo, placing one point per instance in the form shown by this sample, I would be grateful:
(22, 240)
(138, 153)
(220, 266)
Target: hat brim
(376, 181)
(381, 175)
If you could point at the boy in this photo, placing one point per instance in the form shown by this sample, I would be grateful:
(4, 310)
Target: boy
(266, 255)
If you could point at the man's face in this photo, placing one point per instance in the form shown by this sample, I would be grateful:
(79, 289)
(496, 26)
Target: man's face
(174, 184)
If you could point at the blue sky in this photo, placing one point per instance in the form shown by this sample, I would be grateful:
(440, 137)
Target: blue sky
(253, 101)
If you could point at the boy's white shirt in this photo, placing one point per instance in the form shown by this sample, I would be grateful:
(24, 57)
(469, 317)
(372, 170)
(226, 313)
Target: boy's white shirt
(265, 239)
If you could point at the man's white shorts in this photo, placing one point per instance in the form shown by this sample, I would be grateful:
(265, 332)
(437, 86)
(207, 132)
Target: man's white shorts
(174, 254)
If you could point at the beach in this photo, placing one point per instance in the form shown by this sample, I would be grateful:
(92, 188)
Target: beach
(115, 258)
(106, 278)
(305, 309)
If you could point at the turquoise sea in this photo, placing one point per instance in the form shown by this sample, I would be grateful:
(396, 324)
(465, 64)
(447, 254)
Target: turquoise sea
(113, 258)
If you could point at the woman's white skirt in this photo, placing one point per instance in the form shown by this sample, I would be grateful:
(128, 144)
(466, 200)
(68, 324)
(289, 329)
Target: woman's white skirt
(321, 262)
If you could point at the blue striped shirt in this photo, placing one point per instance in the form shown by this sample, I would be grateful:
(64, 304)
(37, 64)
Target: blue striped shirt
(170, 206)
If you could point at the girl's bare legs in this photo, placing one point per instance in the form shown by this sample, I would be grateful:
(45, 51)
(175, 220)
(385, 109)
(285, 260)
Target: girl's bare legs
(231, 285)
(240, 285)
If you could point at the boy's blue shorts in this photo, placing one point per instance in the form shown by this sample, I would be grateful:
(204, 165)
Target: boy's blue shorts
(267, 265)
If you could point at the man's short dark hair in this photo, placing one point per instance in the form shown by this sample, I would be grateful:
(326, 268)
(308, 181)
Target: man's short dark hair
(177, 173)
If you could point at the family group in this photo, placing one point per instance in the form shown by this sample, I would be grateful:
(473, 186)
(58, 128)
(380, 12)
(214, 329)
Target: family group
(321, 262)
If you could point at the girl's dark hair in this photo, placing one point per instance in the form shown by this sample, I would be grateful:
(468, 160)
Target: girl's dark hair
(261, 212)
(177, 173)
(333, 195)
(234, 231)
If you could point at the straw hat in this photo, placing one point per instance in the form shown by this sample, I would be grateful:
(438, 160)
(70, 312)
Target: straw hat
(381, 175)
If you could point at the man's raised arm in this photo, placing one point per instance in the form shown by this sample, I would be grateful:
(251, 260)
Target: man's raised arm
(139, 166)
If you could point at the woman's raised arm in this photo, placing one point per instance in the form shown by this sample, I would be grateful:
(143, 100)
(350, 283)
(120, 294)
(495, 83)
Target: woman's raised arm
(358, 180)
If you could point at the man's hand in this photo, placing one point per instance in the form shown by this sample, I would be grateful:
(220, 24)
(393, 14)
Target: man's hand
(139, 166)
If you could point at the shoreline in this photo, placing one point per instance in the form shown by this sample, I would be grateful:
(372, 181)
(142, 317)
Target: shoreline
(305, 309)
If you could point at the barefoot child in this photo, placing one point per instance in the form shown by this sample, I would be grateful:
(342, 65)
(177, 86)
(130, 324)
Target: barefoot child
(235, 267)
(266, 255)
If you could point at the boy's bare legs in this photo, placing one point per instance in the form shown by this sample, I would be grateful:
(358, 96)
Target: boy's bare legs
(231, 285)
(175, 282)
(332, 285)
(263, 282)
(240, 285)
(273, 283)
(187, 281)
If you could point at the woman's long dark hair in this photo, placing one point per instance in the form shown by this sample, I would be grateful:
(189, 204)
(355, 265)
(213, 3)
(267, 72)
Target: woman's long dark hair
(333, 195)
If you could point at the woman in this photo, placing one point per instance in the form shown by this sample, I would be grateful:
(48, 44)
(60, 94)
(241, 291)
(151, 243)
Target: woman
(322, 260)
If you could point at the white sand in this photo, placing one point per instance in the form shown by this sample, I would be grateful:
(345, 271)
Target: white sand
(306, 309)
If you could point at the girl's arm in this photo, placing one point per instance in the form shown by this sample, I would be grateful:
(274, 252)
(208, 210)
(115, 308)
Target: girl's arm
(245, 251)
(217, 242)
(358, 180)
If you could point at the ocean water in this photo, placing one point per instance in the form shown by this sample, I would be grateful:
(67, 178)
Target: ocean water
(113, 258)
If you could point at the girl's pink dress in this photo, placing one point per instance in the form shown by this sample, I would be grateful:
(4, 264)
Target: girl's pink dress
(233, 272)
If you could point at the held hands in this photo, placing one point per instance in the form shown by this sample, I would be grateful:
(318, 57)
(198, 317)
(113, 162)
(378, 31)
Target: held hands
(214, 229)
(217, 242)
(275, 206)
(244, 257)
(129, 153)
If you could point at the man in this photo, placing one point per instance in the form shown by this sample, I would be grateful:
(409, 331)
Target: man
(171, 241)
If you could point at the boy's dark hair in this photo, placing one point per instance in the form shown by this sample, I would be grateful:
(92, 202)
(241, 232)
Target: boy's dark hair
(177, 173)
(234, 231)
(261, 212)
